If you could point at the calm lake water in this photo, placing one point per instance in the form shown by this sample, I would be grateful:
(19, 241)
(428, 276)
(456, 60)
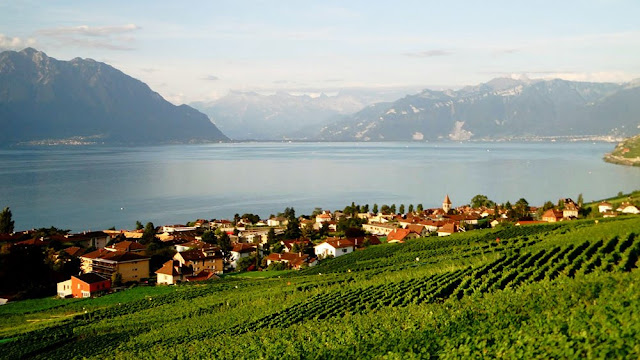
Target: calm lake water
(89, 188)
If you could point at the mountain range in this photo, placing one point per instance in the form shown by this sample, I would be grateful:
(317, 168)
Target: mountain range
(500, 108)
(283, 115)
(44, 99)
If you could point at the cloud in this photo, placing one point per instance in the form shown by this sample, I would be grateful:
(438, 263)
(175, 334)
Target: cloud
(104, 37)
(211, 78)
(429, 53)
(85, 30)
(14, 43)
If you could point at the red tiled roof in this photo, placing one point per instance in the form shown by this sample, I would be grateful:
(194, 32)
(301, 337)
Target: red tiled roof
(91, 278)
(448, 228)
(398, 234)
(339, 243)
(74, 251)
(127, 246)
(243, 248)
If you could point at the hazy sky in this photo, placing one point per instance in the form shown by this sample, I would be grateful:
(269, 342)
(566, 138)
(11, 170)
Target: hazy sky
(198, 50)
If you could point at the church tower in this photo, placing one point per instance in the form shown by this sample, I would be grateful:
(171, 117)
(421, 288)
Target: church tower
(446, 204)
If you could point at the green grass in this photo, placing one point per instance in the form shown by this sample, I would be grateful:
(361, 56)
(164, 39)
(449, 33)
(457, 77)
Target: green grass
(565, 290)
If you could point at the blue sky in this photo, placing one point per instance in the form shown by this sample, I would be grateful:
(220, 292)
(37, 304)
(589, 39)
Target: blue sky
(199, 50)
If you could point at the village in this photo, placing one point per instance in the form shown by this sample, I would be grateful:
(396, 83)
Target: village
(93, 263)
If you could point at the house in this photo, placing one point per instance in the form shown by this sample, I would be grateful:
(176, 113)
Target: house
(277, 221)
(552, 215)
(628, 208)
(96, 239)
(447, 229)
(288, 244)
(84, 286)
(419, 229)
(203, 275)
(570, 210)
(293, 260)
(73, 251)
(202, 259)
(239, 251)
(401, 235)
(604, 206)
(334, 248)
(496, 222)
(171, 273)
(127, 246)
(131, 266)
(378, 228)
(363, 241)
(324, 217)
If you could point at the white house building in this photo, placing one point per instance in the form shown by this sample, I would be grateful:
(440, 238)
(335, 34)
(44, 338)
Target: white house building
(334, 248)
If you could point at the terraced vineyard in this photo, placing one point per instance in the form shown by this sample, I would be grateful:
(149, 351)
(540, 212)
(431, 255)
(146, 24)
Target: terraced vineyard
(329, 310)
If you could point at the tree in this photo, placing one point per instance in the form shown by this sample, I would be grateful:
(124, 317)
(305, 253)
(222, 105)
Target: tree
(420, 208)
(244, 263)
(385, 209)
(324, 229)
(293, 229)
(149, 234)
(393, 208)
(547, 205)
(580, 200)
(365, 209)
(271, 237)
(375, 209)
(561, 204)
(401, 209)
(522, 208)
(139, 225)
(209, 237)
(480, 201)
(411, 208)
(225, 246)
(6, 224)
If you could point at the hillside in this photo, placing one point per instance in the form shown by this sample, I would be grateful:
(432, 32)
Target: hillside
(44, 100)
(542, 291)
(501, 108)
(626, 152)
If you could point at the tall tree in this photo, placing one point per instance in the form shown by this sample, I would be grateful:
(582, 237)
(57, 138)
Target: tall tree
(149, 234)
(209, 237)
(225, 246)
(393, 208)
(6, 223)
(580, 200)
(375, 209)
(522, 208)
(139, 225)
(410, 208)
(401, 209)
(420, 208)
(480, 201)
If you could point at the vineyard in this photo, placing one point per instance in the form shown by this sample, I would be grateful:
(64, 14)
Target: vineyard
(561, 290)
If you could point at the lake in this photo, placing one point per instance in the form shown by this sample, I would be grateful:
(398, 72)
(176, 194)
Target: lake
(90, 188)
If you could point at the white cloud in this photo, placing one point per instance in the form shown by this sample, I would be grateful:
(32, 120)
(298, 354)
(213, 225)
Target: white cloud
(89, 30)
(104, 37)
(15, 43)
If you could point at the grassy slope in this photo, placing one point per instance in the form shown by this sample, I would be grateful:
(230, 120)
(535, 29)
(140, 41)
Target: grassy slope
(558, 290)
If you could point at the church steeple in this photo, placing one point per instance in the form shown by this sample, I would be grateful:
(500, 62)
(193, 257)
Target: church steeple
(446, 204)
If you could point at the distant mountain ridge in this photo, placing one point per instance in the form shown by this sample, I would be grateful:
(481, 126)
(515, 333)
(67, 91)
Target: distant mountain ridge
(250, 115)
(500, 108)
(43, 98)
